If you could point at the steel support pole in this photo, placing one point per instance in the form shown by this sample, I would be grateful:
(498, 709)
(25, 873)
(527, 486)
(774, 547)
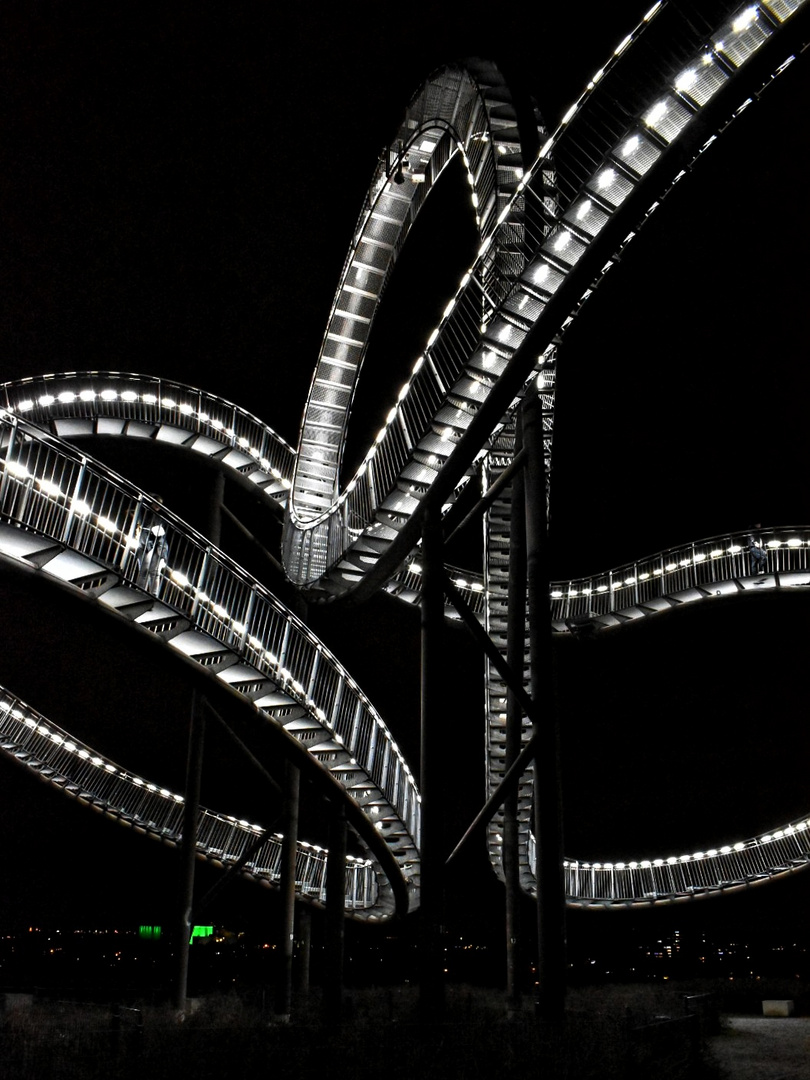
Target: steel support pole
(216, 499)
(303, 950)
(516, 659)
(335, 914)
(432, 782)
(188, 846)
(289, 846)
(551, 945)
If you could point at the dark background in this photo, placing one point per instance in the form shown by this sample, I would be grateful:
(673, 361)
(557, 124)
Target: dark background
(179, 187)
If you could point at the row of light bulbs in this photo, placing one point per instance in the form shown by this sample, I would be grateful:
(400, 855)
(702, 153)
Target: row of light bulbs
(671, 567)
(69, 397)
(698, 856)
(281, 674)
(63, 740)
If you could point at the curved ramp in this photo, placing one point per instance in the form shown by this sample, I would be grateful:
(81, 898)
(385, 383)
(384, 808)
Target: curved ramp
(69, 517)
(635, 133)
(78, 770)
(145, 408)
(78, 404)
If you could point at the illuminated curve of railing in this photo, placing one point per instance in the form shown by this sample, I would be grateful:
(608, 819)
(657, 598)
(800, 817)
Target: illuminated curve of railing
(618, 152)
(729, 868)
(71, 518)
(113, 404)
(81, 772)
(704, 569)
(75, 404)
(635, 134)
(463, 109)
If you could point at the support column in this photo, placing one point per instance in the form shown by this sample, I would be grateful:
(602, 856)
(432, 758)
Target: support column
(188, 846)
(432, 782)
(335, 915)
(303, 950)
(551, 945)
(289, 845)
(216, 499)
(515, 658)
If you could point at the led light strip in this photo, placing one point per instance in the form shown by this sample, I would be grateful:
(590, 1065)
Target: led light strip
(79, 771)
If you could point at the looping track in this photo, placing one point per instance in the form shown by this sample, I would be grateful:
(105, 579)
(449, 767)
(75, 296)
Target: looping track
(550, 226)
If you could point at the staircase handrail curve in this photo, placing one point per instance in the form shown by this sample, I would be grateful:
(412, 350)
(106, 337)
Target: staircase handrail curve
(48, 487)
(78, 770)
(590, 228)
(697, 570)
(70, 399)
(726, 868)
(457, 101)
(152, 400)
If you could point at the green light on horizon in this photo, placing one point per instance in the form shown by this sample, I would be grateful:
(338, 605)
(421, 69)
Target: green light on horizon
(153, 933)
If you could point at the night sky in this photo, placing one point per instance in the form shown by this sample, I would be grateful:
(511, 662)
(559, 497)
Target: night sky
(177, 197)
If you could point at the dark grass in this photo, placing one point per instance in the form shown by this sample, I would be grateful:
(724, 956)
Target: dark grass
(610, 1033)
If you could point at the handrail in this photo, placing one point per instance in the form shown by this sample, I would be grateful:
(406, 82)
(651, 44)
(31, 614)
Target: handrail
(76, 403)
(74, 767)
(207, 607)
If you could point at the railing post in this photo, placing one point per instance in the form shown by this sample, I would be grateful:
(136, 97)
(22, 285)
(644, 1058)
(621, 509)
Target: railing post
(195, 603)
(74, 497)
(4, 478)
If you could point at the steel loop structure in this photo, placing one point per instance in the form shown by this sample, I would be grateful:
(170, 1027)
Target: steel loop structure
(460, 110)
(620, 149)
(553, 215)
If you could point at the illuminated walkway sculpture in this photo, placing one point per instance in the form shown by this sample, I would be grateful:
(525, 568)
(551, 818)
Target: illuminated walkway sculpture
(549, 230)
(78, 522)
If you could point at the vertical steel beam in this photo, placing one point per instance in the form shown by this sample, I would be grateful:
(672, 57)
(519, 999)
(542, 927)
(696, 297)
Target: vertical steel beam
(303, 952)
(289, 847)
(335, 914)
(188, 845)
(216, 498)
(432, 781)
(551, 945)
(516, 659)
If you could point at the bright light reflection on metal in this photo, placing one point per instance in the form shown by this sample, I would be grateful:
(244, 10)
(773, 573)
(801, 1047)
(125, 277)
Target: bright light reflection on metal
(744, 20)
(655, 114)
